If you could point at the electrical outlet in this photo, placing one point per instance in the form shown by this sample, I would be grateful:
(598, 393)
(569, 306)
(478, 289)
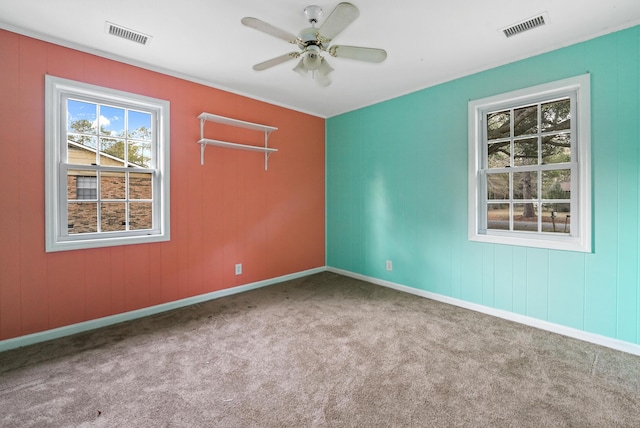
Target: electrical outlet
(389, 265)
(238, 268)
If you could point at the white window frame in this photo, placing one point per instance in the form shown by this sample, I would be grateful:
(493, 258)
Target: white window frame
(579, 237)
(57, 238)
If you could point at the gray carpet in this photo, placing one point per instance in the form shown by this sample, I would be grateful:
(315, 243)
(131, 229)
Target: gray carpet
(323, 350)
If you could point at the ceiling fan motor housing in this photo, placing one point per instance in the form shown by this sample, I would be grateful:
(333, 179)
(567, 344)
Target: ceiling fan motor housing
(309, 36)
(311, 48)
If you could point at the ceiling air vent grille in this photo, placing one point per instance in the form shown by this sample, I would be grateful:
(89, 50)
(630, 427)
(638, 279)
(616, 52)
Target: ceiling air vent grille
(125, 33)
(526, 25)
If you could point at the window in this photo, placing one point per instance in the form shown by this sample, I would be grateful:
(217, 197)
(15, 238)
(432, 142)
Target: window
(529, 167)
(107, 167)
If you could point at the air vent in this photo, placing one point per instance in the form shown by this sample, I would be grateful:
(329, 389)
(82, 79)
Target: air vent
(125, 33)
(526, 25)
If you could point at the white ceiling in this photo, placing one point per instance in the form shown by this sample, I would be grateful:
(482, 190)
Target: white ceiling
(428, 42)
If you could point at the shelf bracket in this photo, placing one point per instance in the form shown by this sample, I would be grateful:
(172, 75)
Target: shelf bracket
(202, 146)
(266, 153)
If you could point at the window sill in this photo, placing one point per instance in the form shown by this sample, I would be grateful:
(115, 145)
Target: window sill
(105, 242)
(525, 239)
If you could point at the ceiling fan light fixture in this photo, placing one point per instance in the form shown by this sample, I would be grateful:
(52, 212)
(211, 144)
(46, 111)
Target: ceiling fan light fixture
(321, 75)
(324, 68)
(301, 69)
(322, 81)
(312, 59)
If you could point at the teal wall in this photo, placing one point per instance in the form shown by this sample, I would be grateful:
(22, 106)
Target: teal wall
(397, 190)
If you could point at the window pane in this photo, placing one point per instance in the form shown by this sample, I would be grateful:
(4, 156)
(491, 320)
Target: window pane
(556, 115)
(82, 217)
(556, 184)
(525, 152)
(113, 216)
(498, 216)
(498, 155)
(140, 154)
(139, 186)
(556, 218)
(81, 185)
(498, 125)
(81, 130)
(81, 150)
(80, 141)
(525, 120)
(112, 121)
(112, 152)
(556, 148)
(525, 217)
(525, 185)
(86, 187)
(498, 186)
(112, 185)
(81, 117)
(140, 215)
(139, 125)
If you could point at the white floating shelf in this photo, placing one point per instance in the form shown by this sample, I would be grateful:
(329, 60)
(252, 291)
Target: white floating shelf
(204, 142)
(235, 122)
(207, 141)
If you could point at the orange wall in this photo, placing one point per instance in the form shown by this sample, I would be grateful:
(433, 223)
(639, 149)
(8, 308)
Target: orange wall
(228, 211)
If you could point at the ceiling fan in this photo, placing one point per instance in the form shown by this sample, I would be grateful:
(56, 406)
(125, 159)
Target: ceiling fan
(314, 41)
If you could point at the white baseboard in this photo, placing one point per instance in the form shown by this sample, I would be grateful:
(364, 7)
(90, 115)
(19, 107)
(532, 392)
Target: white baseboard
(616, 344)
(56, 333)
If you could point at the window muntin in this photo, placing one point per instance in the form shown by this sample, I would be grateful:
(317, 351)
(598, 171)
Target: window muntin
(107, 167)
(529, 167)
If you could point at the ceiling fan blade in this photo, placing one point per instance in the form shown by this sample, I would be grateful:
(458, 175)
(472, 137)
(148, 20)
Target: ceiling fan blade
(269, 29)
(359, 53)
(275, 61)
(343, 15)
